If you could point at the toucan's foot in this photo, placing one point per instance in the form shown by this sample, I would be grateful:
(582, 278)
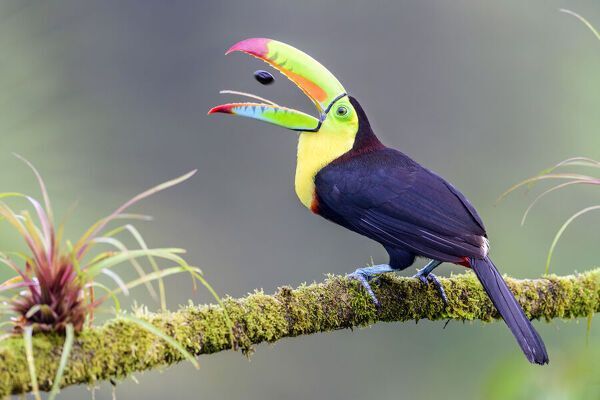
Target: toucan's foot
(364, 275)
(427, 277)
(364, 281)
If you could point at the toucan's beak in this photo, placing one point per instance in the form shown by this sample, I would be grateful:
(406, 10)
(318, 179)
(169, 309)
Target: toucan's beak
(320, 85)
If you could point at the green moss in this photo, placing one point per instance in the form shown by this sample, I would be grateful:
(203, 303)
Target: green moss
(120, 347)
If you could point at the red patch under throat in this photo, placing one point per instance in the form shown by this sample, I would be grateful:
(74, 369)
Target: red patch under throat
(314, 205)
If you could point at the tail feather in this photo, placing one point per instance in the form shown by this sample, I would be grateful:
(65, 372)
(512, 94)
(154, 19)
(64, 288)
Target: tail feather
(530, 341)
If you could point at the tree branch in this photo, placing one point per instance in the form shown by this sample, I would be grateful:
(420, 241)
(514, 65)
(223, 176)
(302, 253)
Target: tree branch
(120, 347)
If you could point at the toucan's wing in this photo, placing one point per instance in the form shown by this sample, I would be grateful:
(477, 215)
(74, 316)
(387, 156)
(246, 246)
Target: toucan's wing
(390, 198)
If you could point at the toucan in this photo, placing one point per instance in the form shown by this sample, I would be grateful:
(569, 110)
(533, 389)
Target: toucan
(345, 174)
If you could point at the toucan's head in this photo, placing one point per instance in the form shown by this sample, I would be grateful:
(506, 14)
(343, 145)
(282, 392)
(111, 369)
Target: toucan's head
(341, 124)
(335, 109)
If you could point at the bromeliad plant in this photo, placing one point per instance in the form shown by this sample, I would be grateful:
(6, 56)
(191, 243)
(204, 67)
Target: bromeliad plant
(56, 283)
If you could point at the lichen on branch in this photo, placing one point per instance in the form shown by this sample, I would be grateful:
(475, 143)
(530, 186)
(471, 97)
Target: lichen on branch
(121, 347)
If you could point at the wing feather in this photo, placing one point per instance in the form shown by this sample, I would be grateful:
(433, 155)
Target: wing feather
(388, 197)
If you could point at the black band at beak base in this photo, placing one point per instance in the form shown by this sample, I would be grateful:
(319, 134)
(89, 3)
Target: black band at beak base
(323, 115)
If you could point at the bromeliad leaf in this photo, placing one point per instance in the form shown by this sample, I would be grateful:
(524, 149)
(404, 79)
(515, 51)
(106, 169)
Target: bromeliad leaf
(83, 243)
(158, 333)
(562, 230)
(169, 254)
(572, 179)
(582, 19)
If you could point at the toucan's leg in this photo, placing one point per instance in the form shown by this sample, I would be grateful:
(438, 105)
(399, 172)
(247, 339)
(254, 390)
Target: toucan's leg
(364, 275)
(425, 276)
(428, 269)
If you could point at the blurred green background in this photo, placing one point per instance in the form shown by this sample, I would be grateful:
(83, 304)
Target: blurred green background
(108, 98)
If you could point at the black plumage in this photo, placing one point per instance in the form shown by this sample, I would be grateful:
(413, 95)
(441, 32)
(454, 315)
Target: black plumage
(383, 194)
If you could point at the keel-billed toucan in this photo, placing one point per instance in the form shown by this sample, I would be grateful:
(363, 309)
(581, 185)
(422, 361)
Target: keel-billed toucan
(346, 175)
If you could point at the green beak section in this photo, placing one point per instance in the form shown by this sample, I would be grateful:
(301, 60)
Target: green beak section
(319, 85)
(280, 116)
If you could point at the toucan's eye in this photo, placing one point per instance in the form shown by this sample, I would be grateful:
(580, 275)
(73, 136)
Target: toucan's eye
(341, 111)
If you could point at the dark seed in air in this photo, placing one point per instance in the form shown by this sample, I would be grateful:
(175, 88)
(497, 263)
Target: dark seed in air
(264, 77)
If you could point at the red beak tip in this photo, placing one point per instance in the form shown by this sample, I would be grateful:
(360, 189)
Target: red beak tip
(225, 109)
(255, 46)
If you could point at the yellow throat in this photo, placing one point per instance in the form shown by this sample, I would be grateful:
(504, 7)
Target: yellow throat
(315, 151)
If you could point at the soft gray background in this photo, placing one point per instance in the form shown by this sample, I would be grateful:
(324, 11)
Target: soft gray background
(107, 98)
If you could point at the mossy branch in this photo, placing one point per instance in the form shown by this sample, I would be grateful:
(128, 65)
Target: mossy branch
(121, 347)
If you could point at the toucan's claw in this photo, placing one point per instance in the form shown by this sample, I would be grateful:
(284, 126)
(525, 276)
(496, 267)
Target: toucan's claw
(362, 278)
(364, 281)
(432, 278)
(364, 275)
